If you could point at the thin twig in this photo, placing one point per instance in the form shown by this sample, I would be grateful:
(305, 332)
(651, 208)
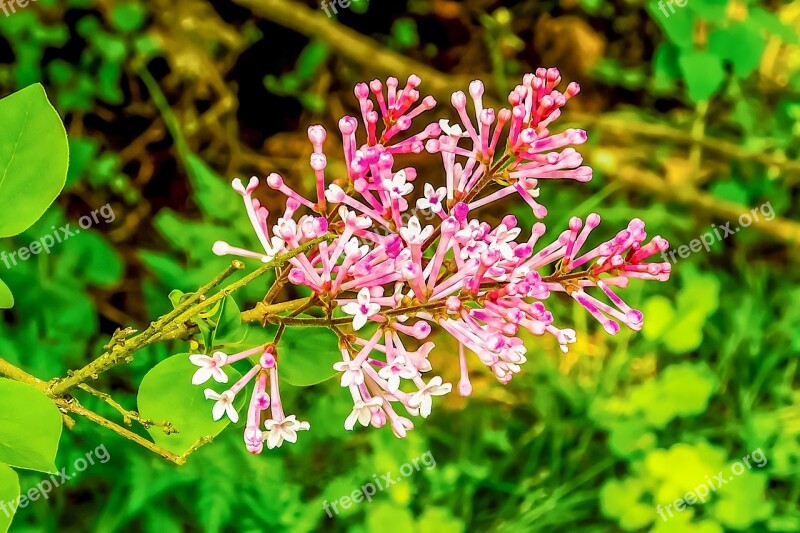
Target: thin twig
(73, 406)
(128, 416)
(162, 329)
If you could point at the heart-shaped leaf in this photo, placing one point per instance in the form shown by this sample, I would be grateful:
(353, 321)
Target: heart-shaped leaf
(6, 298)
(30, 427)
(167, 393)
(9, 492)
(34, 156)
(307, 355)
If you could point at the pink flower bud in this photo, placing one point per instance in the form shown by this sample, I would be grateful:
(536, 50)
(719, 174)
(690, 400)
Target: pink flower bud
(275, 181)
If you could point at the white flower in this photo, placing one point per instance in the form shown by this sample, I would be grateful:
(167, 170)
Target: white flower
(209, 367)
(277, 245)
(397, 187)
(423, 398)
(433, 198)
(414, 234)
(286, 229)
(362, 411)
(352, 372)
(395, 370)
(452, 131)
(362, 309)
(501, 237)
(285, 430)
(223, 406)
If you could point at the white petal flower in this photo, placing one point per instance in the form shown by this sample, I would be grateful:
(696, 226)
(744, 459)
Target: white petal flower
(392, 372)
(433, 198)
(423, 398)
(284, 430)
(452, 131)
(223, 405)
(351, 372)
(362, 411)
(413, 232)
(209, 367)
(361, 309)
(501, 239)
(397, 187)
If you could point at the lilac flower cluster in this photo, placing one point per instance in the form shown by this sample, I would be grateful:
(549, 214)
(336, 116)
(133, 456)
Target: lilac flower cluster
(398, 279)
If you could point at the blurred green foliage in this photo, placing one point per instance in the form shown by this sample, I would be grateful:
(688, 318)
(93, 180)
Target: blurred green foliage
(595, 439)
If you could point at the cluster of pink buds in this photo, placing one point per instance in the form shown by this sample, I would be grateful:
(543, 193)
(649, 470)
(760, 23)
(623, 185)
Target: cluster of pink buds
(398, 277)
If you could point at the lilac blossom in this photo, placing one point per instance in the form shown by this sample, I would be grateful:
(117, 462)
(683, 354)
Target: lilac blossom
(394, 279)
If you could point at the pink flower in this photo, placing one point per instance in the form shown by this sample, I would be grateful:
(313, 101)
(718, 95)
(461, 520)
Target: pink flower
(485, 285)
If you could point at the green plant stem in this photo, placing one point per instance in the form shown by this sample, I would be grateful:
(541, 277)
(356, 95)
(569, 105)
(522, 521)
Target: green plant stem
(73, 406)
(127, 416)
(174, 327)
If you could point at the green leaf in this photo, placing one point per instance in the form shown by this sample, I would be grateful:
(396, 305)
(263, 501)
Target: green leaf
(6, 298)
(677, 24)
(30, 427)
(391, 518)
(167, 393)
(771, 22)
(9, 492)
(307, 355)
(665, 65)
(439, 520)
(211, 192)
(731, 190)
(128, 16)
(741, 44)
(710, 10)
(310, 59)
(176, 297)
(229, 328)
(91, 259)
(659, 315)
(703, 73)
(404, 31)
(34, 156)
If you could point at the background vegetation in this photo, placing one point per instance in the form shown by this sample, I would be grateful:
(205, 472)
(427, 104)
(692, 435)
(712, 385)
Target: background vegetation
(693, 119)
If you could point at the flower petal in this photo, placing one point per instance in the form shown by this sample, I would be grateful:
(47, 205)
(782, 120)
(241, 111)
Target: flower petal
(201, 376)
(232, 414)
(352, 308)
(359, 321)
(199, 359)
(218, 411)
(350, 421)
(363, 296)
